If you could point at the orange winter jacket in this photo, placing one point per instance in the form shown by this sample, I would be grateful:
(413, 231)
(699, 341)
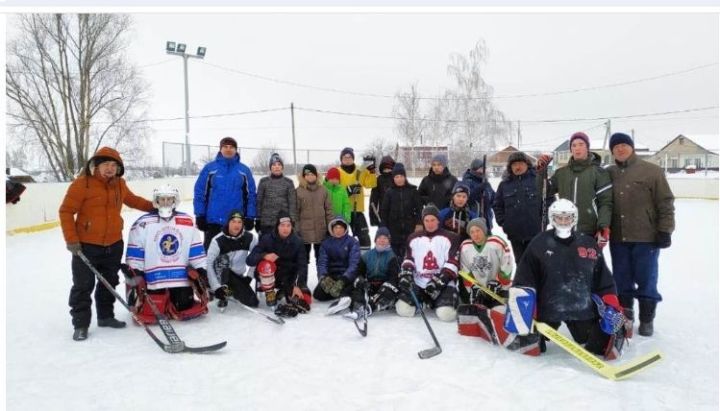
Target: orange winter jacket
(97, 202)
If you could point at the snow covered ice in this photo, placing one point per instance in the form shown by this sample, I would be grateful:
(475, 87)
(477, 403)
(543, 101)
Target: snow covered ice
(318, 362)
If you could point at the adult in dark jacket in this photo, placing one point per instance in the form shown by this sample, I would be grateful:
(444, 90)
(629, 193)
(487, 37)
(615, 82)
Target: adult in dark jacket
(275, 193)
(384, 182)
(284, 248)
(482, 195)
(223, 185)
(643, 219)
(584, 182)
(436, 187)
(338, 263)
(566, 268)
(401, 209)
(518, 203)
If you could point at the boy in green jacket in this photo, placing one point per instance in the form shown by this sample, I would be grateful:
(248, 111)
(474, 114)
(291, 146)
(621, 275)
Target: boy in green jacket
(338, 194)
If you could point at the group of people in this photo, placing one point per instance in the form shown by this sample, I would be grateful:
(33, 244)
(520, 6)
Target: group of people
(426, 237)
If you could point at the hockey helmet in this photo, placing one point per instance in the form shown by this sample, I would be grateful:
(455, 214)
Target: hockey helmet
(563, 217)
(166, 198)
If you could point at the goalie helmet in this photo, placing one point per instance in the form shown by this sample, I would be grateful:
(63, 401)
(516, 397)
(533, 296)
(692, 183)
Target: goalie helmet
(166, 198)
(563, 217)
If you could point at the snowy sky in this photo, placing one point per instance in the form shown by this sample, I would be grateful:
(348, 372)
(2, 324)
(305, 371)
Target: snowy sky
(382, 53)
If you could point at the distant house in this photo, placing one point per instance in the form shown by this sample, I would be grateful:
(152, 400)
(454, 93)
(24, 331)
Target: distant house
(17, 175)
(497, 163)
(700, 151)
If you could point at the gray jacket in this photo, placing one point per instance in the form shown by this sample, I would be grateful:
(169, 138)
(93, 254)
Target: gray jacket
(643, 203)
(275, 194)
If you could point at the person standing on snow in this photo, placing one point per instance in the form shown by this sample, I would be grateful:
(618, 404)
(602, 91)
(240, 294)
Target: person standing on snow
(436, 187)
(384, 183)
(401, 209)
(91, 224)
(275, 193)
(643, 218)
(355, 180)
(223, 185)
(481, 196)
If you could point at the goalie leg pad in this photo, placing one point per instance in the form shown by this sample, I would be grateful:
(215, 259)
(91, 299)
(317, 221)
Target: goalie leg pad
(520, 310)
(404, 309)
(474, 320)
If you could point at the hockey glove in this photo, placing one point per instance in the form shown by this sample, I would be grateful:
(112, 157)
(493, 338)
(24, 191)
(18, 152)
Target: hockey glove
(385, 298)
(602, 236)
(436, 285)
(663, 239)
(612, 319)
(286, 310)
(300, 304)
(249, 223)
(354, 189)
(370, 165)
(222, 292)
(201, 222)
(406, 279)
(74, 248)
(361, 282)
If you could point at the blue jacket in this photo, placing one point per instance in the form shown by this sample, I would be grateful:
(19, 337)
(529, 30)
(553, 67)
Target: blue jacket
(339, 256)
(481, 196)
(224, 185)
(518, 206)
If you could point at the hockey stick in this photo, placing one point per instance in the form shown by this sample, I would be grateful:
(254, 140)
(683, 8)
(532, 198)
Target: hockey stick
(276, 320)
(612, 372)
(176, 344)
(363, 330)
(429, 352)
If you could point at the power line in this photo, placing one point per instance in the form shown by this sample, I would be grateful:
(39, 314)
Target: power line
(510, 96)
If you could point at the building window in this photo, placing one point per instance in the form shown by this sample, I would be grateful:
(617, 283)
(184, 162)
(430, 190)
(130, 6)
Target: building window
(698, 163)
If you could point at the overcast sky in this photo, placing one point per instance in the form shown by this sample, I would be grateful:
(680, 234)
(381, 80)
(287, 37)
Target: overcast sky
(384, 53)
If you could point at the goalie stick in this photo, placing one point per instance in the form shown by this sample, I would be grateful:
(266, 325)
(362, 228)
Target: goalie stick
(176, 344)
(611, 372)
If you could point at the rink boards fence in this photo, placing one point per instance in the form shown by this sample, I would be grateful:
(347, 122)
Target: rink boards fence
(38, 207)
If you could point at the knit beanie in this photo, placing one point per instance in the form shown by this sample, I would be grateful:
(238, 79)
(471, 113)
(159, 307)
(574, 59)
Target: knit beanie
(461, 187)
(476, 164)
(382, 232)
(333, 174)
(431, 209)
(582, 136)
(621, 138)
(399, 169)
(347, 150)
(440, 158)
(275, 158)
(477, 222)
(309, 169)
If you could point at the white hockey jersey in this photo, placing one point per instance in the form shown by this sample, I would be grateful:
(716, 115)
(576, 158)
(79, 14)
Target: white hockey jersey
(164, 248)
(430, 253)
(492, 261)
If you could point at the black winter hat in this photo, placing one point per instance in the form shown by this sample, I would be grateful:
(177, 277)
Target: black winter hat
(347, 150)
(275, 158)
(476, 164)
(382, 231)
(386, 162)
(621, 138)
(461, 187)
(228, 141)
(309, 169)
(283, 216)
(398, 169)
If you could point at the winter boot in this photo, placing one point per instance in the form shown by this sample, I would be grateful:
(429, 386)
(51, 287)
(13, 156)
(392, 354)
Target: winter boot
(111, 322)
(627, 304)
(222, 305)
(271, 297)
(647, 315)
(80, 334)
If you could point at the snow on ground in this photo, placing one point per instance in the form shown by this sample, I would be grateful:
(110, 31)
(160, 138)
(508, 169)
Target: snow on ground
(318, 362)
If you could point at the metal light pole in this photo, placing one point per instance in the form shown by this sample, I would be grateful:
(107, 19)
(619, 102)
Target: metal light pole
(179, 50)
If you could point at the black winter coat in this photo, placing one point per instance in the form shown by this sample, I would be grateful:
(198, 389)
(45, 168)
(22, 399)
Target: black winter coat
(481, 197)
(400, 213)
(437, 189)
(292, 259)
(518, 206)
(377, 194)
(564, 273)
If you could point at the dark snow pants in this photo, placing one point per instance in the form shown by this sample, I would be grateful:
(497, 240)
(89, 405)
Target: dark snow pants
(635, 270)
(107, 261)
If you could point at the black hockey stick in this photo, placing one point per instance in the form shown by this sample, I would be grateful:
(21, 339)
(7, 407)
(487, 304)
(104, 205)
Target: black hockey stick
(176, 345)
(430, 352)
(276, 320)
(363, 330)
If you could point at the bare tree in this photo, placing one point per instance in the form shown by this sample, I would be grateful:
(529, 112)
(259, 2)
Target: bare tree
(411, 126)
(71, 88)
(380, 147)
(261, 159)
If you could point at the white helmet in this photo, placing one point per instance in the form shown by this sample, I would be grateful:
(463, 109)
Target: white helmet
(166, 198)
(563, 217)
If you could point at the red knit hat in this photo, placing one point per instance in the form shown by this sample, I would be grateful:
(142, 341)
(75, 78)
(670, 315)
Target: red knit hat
(333, 174)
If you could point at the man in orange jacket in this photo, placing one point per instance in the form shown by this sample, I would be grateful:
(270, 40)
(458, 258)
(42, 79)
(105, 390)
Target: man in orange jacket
(91, 224)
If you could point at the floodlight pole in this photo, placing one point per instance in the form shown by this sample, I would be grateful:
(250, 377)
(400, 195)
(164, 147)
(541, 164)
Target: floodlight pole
(185, 57)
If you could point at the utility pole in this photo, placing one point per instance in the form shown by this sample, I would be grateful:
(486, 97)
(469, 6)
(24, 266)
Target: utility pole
(179, 50)
(292, 121)
(607, 134)
(519, 136)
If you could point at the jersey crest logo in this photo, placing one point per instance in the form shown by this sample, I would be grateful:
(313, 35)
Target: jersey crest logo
(169, 244)
(430, 262)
